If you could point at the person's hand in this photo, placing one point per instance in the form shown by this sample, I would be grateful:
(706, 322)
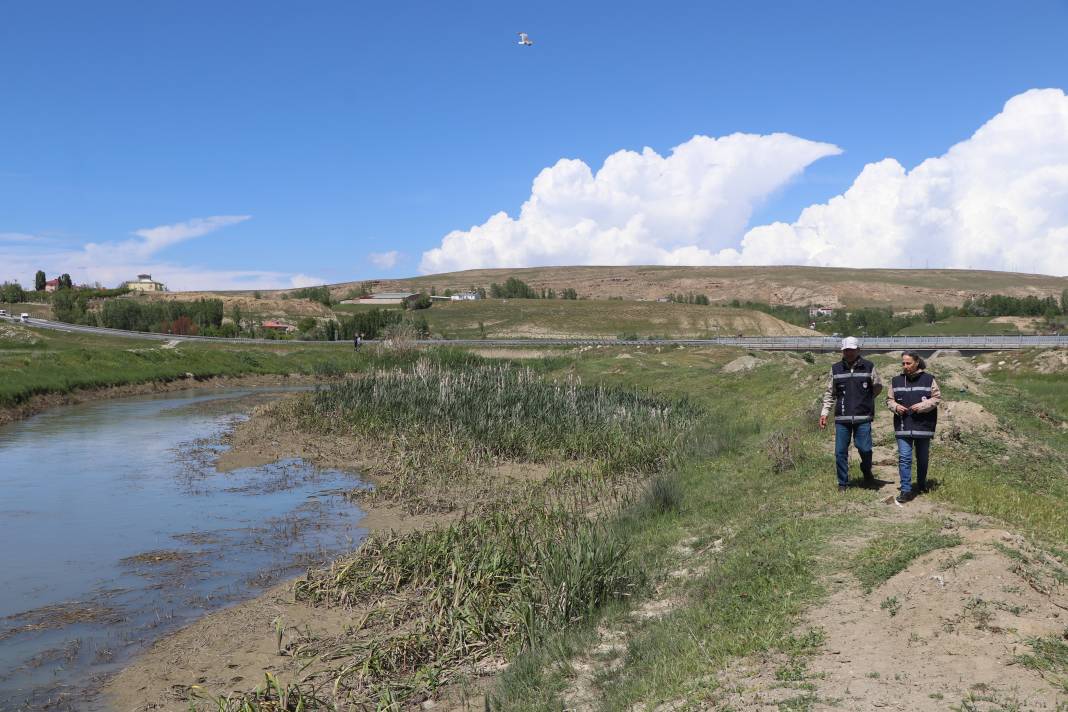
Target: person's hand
(823, 422)
(901, 409)
(915, 408)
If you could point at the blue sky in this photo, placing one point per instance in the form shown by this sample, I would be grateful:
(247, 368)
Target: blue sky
(344, 129)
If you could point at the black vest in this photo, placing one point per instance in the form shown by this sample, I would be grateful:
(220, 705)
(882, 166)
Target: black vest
(854, 392)
(910, 391)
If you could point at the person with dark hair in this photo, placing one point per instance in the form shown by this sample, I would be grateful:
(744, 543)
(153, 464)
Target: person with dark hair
(851, 393)
(357, 339)
(913, 398)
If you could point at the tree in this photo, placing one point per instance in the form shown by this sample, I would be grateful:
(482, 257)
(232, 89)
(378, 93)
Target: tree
(39, 280)
(930, 313)
(12, 292)
(1064, 300)
(65, 281)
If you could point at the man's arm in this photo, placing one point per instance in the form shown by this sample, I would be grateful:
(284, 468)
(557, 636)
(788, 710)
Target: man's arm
(828, 401)
(876, 382)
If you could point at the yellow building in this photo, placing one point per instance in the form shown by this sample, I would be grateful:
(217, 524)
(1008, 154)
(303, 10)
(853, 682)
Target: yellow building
(145, 283)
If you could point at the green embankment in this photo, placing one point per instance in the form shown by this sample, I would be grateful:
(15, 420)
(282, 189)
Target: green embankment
(962, 326)
(36, 361)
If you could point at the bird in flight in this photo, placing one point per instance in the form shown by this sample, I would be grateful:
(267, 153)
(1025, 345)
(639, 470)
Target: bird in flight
(524, 40)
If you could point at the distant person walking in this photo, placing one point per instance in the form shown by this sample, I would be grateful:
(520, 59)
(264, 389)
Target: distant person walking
(356, 339)
(914, 397)
(851, 393)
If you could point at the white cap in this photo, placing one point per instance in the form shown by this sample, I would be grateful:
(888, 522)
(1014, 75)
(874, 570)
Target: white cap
(850, 342)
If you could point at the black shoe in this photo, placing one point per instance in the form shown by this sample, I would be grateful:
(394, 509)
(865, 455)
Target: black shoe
(921, 488)
(904, 497)
(842, 488)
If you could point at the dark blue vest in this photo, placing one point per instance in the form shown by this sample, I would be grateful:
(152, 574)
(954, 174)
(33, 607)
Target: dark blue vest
(910, 391)
(853, 391)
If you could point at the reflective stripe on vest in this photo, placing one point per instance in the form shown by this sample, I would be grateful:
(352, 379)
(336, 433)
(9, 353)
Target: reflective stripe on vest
(852, 418)
(859, 374)
(914, 433)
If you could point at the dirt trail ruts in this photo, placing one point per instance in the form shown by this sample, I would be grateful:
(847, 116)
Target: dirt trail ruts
(945, 631)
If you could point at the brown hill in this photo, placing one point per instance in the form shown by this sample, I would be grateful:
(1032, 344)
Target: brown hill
(799, 286)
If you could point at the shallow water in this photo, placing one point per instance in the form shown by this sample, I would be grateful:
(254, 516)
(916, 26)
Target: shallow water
(115, 528)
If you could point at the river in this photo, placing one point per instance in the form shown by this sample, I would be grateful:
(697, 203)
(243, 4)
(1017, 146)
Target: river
(116, 528)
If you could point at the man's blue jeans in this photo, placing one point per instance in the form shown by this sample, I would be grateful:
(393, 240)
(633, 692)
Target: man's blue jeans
(860, 434)
(905, 449)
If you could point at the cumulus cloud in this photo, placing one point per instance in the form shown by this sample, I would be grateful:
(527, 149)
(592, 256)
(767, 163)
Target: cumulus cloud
(384, 260)
(114, 262)
(639, 208)
(998, 200)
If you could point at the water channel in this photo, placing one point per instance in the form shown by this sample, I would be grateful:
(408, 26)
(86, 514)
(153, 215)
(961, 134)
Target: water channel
(116, 528)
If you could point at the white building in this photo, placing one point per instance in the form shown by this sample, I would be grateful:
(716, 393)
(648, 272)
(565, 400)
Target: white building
(465, 297)
(386, 298)
(145, 283)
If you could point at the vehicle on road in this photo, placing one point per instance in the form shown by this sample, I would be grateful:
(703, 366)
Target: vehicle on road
(24, 317)
(3, 312)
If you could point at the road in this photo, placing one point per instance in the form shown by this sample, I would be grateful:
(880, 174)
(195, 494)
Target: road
(762, 343)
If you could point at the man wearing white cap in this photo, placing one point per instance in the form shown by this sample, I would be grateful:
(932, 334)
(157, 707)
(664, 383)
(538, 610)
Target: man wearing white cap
(851, 395)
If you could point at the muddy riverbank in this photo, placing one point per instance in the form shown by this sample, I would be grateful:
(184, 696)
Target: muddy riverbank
(232, 648)
(44, 401)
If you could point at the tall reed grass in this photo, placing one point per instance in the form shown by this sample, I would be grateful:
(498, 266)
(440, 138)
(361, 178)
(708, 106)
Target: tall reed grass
(503, 412)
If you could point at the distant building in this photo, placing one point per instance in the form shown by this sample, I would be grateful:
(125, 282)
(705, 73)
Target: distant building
(465, 297)
(387, 298)
(816, 312)
(145, 283)
(278, 326)
(52, 285)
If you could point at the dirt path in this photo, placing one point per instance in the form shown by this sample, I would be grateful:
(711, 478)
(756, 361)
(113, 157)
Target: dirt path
(945, 631)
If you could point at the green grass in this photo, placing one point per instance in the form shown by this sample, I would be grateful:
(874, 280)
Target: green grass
(961, 326)
(894, 550)
(521, 318)
(55, 362)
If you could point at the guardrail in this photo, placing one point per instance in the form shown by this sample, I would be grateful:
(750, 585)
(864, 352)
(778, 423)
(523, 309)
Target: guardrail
(763, 343)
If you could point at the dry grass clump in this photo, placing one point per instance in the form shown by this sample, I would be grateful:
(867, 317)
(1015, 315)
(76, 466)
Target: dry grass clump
(454, 596)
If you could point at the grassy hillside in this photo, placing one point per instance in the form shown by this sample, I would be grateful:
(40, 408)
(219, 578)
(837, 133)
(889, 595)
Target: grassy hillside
(520, 318)
(901, 288)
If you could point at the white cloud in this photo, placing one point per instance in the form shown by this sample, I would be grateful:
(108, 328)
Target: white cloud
(156, 238)
(384, 260)
(18, 237)
(639, 208)
(304, 280)
(112, 263)
(998, 200)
